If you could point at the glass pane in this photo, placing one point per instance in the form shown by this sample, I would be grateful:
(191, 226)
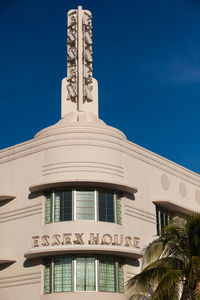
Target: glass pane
(85, 274)
(158, 221)
(107, 274)
(58, 276)
(90, 274)
(162, 220)
(119, 210)
(106, 207)
(57, 207)
(67, 274)
(48, 208)
(80, 274)
(166, 219)
(47, 278)
(62, 274)
(85, 205)
(121, 278)
(66, 206)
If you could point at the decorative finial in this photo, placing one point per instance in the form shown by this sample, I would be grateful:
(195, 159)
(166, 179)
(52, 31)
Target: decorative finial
(79, 89)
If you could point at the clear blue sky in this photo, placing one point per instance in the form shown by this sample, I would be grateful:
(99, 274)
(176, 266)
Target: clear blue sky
(146, 61)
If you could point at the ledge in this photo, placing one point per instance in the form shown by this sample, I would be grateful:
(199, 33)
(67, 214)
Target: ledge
(174, 207)
(118, 186)
(4, 197)
(96, 249)
(6, 260)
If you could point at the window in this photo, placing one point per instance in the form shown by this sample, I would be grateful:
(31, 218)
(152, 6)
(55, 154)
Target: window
(107, 274)
(83, 273)
(163, 218)
(85, 205)
(48, 208)
(82, 205)
(106, 207)
(62, 206)
(62, 274)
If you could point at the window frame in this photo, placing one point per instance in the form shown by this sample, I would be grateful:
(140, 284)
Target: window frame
(116, 197)
(168, 215)
(97, 258)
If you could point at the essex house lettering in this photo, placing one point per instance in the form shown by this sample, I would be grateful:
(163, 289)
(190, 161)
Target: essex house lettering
(82, 239)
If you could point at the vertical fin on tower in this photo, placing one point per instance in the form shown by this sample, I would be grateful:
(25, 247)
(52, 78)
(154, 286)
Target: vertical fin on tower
(79, 89)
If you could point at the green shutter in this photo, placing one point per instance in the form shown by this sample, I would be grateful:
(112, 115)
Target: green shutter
(47, 278)
(107, 278)
(48, 208)
(57, 207)
(119, 210)
(121, 278)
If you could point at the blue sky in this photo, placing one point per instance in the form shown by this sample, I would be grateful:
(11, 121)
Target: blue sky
(146, 61)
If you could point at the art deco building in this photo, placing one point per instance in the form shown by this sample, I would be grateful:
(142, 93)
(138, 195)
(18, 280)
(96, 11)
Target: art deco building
(79, 201)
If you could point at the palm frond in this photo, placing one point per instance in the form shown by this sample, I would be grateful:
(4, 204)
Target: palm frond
(170, 286)
(171, 263)
(148, 278)
(140, 297)
(152, 252)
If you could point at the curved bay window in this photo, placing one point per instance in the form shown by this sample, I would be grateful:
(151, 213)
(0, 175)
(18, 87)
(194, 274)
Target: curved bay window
(82, 205)
(83, 273)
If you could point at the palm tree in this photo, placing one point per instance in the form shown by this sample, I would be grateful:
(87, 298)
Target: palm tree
(171, 263)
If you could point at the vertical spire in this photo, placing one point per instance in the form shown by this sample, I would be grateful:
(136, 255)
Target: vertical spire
(79, 89)
(80, 59)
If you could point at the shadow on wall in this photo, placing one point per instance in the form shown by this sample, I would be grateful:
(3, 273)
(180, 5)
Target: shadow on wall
(4, 202)
(34, 195)
(28, 263)
(129, 196)
(6, 265)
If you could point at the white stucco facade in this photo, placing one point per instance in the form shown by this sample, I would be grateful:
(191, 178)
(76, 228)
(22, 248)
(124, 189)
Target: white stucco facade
(81, 151)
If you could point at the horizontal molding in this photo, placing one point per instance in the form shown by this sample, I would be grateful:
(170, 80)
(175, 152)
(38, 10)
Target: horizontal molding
(79, 166)
(21, 209)
(141, 213)
(21, 213)
(18, 280)
(86, 170)
(140, 210)
(74, 182)
(35, 281)
(130, 252)
(82, 162)
(37, 143)
(21, 216)
(89, 130)
(21, 275)
(138, 217)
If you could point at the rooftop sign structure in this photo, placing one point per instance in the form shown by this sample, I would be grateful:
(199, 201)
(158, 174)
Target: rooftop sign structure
(79, 89)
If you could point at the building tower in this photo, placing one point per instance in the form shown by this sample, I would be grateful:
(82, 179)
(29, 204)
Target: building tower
(79, 201)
